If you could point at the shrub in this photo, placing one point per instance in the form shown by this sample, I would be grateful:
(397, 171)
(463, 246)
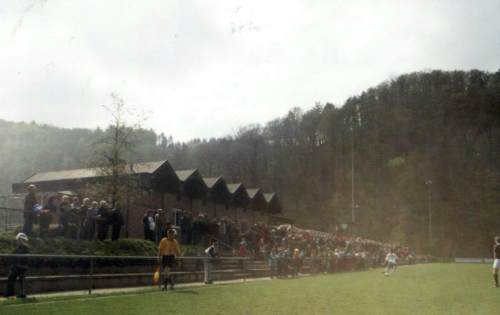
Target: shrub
(64, 246)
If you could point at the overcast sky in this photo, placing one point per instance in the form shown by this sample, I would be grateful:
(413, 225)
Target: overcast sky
(205, 68)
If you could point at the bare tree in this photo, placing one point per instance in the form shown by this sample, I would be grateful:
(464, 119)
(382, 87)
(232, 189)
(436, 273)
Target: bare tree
(113, 151)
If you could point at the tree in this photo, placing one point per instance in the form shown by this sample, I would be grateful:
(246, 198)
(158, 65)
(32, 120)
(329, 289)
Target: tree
(114, 149)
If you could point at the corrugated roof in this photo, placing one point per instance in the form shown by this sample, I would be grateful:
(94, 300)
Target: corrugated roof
(183, 175)
(211, 181)
(269, 196)
(139, 168)
(62, 175)
(233, 187)
(147, 167)
(252, 192)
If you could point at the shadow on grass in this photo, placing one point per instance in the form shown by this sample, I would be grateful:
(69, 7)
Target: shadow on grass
(187, 292)
(18, 301)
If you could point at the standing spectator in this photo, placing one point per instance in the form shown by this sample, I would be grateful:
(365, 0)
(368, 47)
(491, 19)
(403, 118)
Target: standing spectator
(204, 230)
(212, 252)
(213, 227)
(243, 251)
(46, 216)
(102, 220)
(89, 223)
(168, 250)
(81, 232)
(160, 225)
(116, 220)
(30, 202)
(296, 262)
(186, 228)
(64, 213)
(19, 268)
(222, 230)
(262, 249)
(195, 238)
(273, 262)
(148, 222)
(74, 218)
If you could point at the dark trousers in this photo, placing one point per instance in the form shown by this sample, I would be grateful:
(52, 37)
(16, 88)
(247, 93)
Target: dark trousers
(63, 226)
(102, 231)
(115, 232)
(16, 271)
(149, 235)
(28, 226)
(89, 230)
(45, 220)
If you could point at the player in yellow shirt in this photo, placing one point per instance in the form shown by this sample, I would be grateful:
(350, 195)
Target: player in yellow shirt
(168, 250)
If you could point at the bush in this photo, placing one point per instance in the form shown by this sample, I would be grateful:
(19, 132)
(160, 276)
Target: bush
(64, 246)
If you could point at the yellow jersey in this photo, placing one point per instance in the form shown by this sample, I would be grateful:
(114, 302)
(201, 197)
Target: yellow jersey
(169, 247)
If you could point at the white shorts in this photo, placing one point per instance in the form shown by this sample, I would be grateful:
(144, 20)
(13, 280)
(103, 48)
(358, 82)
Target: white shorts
(496, 264)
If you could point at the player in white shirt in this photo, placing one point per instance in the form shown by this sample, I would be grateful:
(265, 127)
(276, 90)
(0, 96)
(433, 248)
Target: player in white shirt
(496, 261)
(391, 261)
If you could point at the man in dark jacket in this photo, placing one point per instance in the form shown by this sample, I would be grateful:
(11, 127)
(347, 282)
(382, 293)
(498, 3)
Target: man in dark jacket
(116, 222)
(29, 212)
(18, 268)
(103, 220)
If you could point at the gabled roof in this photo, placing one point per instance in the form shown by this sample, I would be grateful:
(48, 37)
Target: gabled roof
(138, 168)
(147, 167)
(269, 197)
(273, 203)
(252, 192)
(211, 181)
(234, 187)
(184, 175)
(62, 175)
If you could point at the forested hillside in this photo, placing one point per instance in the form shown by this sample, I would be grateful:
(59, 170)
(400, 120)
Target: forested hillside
(439, 128)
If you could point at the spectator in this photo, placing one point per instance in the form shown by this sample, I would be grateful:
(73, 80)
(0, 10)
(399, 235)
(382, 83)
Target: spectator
(30, 201)
(19, 268)
(116, 220)
(160, 225)
(243, 251)
(273, 262)
(80, 232)
(103, 220)
(222, 230)
(148, 223)
(186, 228)
(196, 230)
(90, 221)
(75, 218)
(64, 213)
(45, 218)
(212, 252)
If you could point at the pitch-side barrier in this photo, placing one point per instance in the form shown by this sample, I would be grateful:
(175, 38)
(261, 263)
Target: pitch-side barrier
(474, 260)
(59, 273)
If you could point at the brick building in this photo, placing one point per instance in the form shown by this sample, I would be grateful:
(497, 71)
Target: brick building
(163, 187)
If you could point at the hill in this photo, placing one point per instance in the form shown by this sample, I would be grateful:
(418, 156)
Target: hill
(426, 146)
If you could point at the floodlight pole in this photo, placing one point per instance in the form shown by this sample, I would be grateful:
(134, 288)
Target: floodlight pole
(353, 204)
(428, 183)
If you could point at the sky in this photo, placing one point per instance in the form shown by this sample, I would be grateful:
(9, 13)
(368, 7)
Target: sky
(204, 68)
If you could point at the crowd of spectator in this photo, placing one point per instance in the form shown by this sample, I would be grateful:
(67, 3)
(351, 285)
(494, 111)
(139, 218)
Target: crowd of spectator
(285, 247)
(80, 220)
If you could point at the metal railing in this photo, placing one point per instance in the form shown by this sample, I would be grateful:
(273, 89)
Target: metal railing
(10, 218)
(48, 273)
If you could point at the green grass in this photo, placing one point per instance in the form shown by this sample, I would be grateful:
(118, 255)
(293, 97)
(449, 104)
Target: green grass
(422, 289)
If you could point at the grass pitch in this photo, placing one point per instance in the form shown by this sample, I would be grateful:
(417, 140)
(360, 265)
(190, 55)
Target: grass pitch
(422, 289)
